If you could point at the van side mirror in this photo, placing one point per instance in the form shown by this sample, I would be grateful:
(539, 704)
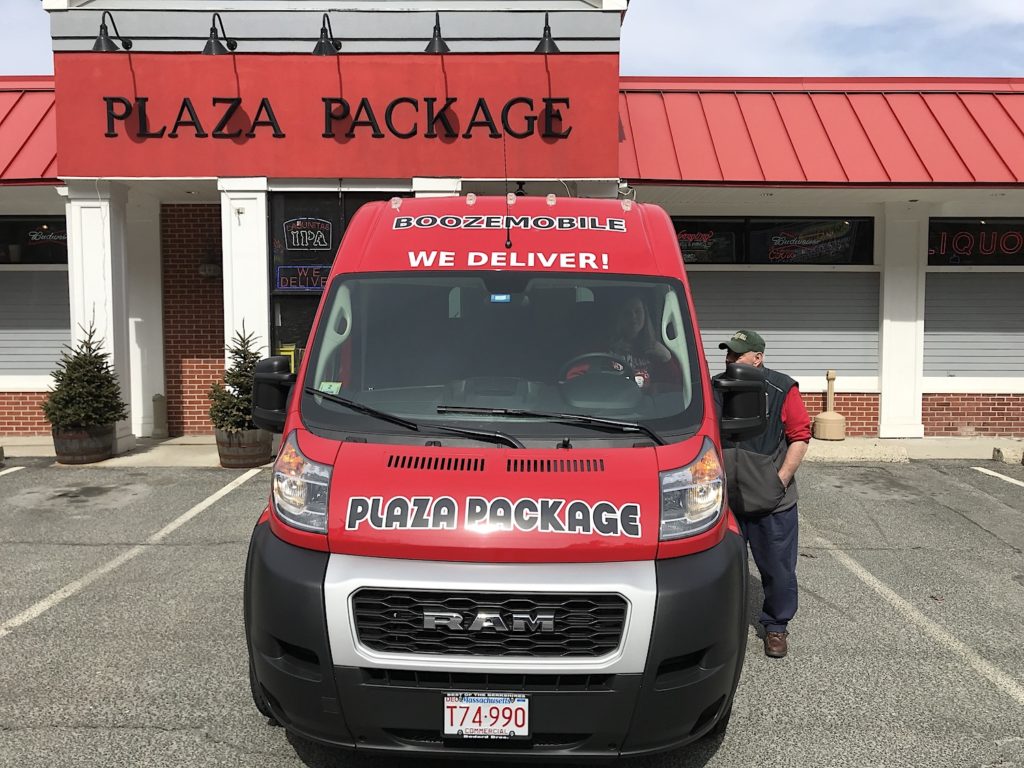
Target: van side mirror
(272, 384)
(743, 395)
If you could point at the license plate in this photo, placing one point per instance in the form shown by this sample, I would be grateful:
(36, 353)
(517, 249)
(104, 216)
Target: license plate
(486, 716)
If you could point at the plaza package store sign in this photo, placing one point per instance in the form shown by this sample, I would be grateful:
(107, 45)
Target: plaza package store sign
(371, 116)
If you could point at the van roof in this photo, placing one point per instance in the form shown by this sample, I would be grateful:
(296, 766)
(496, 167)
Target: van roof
(547, 234)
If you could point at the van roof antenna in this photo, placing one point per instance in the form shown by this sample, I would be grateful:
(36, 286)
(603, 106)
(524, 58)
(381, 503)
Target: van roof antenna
(509, 197)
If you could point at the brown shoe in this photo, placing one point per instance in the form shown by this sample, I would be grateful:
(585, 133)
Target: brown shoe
(775, 644)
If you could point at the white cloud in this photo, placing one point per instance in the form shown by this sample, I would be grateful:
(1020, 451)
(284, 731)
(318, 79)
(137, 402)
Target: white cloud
(818, 37)
(739, 37)
(25, 38)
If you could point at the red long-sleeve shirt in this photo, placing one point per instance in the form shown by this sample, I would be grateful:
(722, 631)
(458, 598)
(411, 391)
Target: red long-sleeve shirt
(796, 422)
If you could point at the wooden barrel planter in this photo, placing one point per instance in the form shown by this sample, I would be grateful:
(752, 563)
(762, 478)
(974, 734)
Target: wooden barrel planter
(241, 450)
(84, 445)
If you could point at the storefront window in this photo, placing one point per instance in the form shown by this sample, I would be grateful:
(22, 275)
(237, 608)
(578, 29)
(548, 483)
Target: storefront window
(976, 242)
(36, 240)
(305, 232)
(35, 318)
(775, 241)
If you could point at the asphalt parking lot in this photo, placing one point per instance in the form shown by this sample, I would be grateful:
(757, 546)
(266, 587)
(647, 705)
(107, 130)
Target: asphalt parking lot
(122, 642)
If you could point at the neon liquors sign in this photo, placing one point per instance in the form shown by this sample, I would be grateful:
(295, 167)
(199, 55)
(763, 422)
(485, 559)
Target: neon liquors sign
(993, 242)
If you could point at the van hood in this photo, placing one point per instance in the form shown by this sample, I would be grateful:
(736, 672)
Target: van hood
(494, 505)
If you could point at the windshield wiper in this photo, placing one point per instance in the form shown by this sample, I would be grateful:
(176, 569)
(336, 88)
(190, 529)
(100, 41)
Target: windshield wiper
(493, 437)
(479, 434)
(360, 408)
(565, 418)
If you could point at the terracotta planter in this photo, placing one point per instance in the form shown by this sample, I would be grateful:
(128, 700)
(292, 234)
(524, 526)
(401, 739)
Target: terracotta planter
(240, 450)
(84, 445)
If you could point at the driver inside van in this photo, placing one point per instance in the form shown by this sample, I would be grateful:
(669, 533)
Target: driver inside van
(634, 347)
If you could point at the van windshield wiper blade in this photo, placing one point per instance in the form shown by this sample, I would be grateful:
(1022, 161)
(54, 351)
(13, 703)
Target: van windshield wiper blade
(479, 434)
(567, 418)
(360, 408)
(493, 437)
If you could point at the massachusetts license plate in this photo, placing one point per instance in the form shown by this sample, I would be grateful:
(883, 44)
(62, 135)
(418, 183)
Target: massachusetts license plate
(486, 716)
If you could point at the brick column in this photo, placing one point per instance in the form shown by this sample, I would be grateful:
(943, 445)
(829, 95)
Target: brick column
(193, 313)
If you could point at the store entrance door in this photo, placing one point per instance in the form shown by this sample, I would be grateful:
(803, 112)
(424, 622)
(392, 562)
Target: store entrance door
(305, 230)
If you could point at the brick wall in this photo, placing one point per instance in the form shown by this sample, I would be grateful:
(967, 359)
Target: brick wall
(860, 410)
(20, 414)
(193, 314)
(964, 415)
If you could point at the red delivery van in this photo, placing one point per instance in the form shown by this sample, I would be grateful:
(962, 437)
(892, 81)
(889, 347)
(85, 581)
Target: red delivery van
(497, 525)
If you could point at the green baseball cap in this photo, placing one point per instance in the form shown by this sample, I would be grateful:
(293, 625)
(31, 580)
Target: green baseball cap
(744, 341)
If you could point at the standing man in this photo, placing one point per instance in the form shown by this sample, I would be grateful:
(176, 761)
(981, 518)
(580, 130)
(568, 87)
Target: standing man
(762, 489)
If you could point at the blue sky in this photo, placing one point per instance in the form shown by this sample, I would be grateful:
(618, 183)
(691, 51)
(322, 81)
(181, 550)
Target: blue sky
(740, 37)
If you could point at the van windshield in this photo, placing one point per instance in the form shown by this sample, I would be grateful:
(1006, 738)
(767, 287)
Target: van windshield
(460, 347)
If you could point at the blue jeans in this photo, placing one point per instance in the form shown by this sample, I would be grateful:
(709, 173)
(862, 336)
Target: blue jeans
(773, 542)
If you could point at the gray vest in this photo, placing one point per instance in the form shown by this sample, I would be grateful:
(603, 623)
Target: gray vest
(752, 466)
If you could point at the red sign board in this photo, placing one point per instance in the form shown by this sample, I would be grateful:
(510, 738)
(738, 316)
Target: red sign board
(370, 116)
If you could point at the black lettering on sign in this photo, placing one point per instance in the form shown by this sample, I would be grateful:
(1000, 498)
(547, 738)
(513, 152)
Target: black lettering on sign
(233, 105)
(193, 120)
(441, 116)
(389, 117)
(113, 113)
(334, 109)
(553, 123)
(482, 117)
(518, 118)
(529, 120)
(144, 132)
(364, 118)
(270, 120)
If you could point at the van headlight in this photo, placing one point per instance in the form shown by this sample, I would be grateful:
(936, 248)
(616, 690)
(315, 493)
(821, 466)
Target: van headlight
(692, 496)
(300, 489)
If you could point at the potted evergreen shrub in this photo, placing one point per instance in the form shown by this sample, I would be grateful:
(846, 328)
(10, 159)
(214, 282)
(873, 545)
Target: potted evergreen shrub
(239, 442)
(85, 403)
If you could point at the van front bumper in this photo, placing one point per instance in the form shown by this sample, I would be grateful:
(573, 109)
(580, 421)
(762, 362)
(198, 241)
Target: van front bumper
(681, 690)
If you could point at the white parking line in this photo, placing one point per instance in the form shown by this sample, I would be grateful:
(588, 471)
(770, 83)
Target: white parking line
(989, 671)
(79, 584)
(8, 471)
(1001, 477)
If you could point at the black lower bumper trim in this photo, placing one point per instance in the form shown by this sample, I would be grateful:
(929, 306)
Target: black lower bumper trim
(287, 636)
(693, 665)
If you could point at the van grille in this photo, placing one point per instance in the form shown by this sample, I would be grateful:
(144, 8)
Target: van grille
(436, 463)
(555, 465)
(585, 625)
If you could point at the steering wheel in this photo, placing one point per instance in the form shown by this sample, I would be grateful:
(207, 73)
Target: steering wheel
(619, 365)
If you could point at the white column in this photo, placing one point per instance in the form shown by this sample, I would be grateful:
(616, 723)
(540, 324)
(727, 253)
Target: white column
(904, 256)
(145, 308)
(243, 215)
(95, 211)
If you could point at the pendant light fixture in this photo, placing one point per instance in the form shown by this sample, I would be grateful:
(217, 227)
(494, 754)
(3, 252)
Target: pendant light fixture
(437, 43)
(214, 47)
(328, 45)
(547, 43)
(103, 42)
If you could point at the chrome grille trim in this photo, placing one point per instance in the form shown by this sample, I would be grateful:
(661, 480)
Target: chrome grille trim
(634, 581)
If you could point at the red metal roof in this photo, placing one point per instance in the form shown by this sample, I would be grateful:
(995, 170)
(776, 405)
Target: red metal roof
(28, 131)
(892, 131)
